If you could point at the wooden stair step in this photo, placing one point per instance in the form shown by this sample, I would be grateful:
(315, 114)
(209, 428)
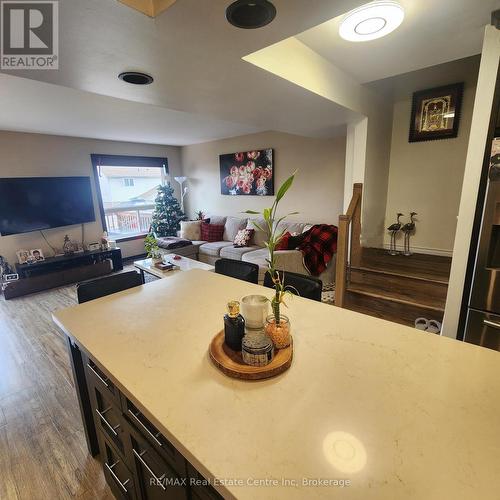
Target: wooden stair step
(418, 290)
(400, 274)
(397, 311)
(398, 296)
(430, 267)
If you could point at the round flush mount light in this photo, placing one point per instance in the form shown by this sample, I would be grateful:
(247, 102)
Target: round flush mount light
(136, 78)
(372, 20)
(250, 14)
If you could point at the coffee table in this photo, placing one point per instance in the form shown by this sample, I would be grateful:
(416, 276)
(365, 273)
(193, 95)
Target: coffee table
(183, 264)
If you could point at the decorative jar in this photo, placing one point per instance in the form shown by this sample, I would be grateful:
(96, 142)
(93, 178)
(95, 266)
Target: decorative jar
(278, 333)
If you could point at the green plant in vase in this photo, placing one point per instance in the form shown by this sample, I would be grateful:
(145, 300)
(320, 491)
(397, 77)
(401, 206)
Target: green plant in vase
(277, 324)
(151, 247)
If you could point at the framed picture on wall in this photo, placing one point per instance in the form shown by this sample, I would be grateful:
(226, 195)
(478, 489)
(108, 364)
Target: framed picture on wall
(435, 113)
(247, 173)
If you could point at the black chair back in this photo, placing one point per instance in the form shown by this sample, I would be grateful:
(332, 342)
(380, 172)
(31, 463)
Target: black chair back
(306, 286)
(245, 271)
(90, 290)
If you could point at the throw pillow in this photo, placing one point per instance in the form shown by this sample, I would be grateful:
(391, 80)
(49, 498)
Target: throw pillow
(211, 232)
(259, 236)
(232, 226)
(243, 238)
(191, 230)
(283, 243)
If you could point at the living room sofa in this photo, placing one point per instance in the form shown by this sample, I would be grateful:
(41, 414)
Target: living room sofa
(287, 260)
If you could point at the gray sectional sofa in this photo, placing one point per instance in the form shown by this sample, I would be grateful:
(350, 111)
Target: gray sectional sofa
(287, 260)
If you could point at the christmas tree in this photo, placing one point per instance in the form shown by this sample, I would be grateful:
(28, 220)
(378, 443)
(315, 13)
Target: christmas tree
(167, 214)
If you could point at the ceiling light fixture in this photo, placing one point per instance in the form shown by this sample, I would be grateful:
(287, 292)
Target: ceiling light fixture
(250, 14)
(372, 20)
(136, 78)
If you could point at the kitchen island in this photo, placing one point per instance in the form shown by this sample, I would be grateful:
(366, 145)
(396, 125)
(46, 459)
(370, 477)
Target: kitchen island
(368, 410)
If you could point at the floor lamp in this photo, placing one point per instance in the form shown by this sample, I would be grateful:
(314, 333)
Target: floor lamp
(181, 180)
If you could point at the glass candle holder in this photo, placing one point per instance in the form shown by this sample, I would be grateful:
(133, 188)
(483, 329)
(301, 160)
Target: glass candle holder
(254, 308)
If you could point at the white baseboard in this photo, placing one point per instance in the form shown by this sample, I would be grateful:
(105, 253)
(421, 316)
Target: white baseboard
(428, 251)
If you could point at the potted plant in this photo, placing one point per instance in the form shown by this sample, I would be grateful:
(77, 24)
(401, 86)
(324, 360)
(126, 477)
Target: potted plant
(152, 248)
(277, 324)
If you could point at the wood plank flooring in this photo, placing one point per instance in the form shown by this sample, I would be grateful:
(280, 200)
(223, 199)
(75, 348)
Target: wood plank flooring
(43, 455)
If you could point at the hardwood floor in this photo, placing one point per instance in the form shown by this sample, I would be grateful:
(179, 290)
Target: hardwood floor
(43, 454)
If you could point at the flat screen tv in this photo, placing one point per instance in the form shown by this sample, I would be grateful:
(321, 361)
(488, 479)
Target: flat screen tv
(38, 203)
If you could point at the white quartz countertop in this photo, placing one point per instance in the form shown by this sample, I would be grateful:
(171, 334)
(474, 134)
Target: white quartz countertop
(398, 413)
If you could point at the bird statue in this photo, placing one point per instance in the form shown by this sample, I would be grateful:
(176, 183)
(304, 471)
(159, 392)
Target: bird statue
(394, 228)
(407, 229)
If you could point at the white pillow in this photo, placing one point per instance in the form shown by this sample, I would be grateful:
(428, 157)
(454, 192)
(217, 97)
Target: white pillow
(191, 230)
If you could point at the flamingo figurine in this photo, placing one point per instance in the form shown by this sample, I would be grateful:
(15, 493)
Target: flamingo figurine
(394, 228)
(407, 229)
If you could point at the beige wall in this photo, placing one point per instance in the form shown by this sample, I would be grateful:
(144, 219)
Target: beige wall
(37, 155)
(426, 177)
(318, 190)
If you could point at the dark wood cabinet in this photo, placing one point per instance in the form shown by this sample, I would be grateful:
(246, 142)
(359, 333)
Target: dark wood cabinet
(156, 439)
(138, 461)
(118, 475)
(155, 478)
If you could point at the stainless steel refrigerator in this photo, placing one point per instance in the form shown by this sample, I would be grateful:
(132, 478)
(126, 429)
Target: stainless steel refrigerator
(483, 316)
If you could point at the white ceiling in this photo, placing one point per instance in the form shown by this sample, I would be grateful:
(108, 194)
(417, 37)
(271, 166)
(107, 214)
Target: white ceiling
(433, 32)
(203, 90)
(31, 106)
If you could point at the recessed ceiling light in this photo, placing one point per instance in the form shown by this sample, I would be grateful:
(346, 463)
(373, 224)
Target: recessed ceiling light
(250, 14)
(136, 78)
(372, 20)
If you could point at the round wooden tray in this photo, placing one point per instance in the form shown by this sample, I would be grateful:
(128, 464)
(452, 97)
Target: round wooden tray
(231, 362)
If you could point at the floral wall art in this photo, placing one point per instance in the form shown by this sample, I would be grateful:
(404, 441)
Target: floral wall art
(247, 173)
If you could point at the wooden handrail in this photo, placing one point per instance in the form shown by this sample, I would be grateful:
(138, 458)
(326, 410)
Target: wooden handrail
(349, 235)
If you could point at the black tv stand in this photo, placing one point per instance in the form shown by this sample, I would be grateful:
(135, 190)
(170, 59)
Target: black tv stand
(61, 262)
(63, 270)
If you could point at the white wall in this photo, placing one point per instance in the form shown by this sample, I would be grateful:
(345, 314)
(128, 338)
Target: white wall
(426, 177)
(37, 155)
(318, 190)
(473, 166)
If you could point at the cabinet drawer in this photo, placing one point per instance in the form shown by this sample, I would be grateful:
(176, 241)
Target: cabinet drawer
(199, 487)
(156, 479)
(107, 416)
(116, 472)
(159, 442)
(95, 376)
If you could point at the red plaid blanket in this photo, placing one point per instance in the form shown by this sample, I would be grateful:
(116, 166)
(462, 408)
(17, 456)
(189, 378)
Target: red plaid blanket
(318, 247)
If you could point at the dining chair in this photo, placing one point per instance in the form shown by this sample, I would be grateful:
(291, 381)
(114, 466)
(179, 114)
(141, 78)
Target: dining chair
(245, 271)
(90, 290)
(306, 286)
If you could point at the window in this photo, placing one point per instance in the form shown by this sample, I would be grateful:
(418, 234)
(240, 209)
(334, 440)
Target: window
(127, 190)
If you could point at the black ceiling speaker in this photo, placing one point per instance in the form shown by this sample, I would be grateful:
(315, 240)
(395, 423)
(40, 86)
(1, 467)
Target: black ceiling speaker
(136, 78)
(250, 14)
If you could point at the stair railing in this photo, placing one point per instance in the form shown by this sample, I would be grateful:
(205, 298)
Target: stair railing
(348, 243)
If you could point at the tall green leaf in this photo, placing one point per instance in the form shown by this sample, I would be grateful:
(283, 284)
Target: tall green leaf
(285, 187)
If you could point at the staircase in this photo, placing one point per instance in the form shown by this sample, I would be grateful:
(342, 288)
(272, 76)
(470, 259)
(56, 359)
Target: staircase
(395, 288)
(398, 288)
